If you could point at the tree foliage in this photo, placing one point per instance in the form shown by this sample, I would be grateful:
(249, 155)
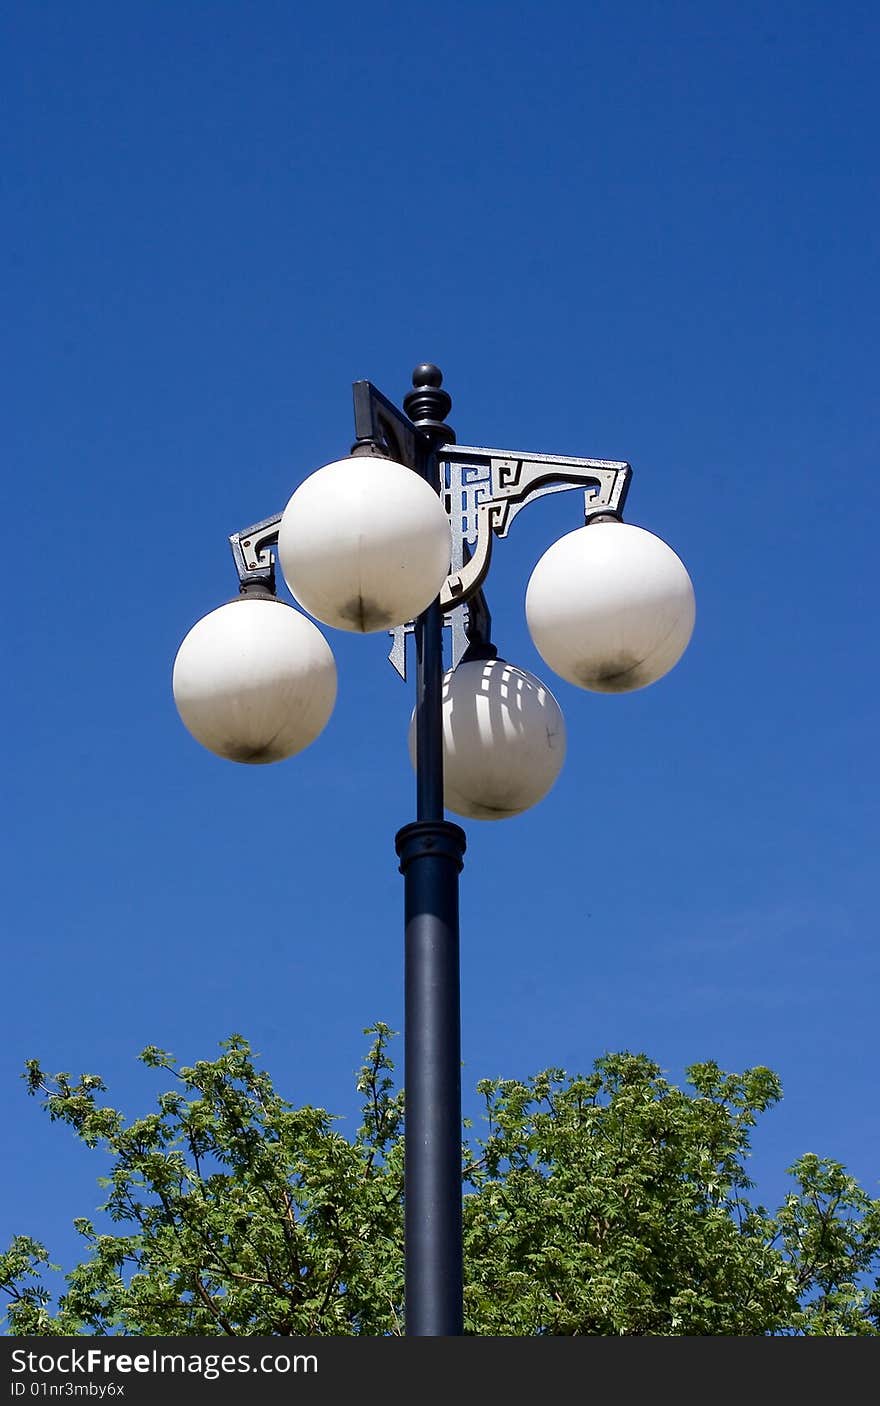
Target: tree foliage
(612, 1203)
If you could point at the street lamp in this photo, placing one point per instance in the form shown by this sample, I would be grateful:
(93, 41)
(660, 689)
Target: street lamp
(398, 537)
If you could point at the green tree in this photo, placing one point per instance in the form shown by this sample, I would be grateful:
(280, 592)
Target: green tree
(612, 1203)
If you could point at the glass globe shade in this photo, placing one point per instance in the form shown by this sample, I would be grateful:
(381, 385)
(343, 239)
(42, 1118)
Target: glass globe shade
(254, 681)
(364, 544)
(503, 740)
(610, 607)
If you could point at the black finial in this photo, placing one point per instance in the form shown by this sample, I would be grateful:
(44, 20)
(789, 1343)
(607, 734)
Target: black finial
(427, 374)
(427, 405)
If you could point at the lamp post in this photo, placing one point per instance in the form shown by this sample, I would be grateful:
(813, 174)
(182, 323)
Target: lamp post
(398, 537)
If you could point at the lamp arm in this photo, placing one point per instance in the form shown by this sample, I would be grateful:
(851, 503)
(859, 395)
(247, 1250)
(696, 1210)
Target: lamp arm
(381, 428)
(253, 555)
(486, 488)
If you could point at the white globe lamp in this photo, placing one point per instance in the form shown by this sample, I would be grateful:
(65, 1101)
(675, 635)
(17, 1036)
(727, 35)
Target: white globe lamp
(610, 607)
(503, 740)
(254, 681)
(364, 544)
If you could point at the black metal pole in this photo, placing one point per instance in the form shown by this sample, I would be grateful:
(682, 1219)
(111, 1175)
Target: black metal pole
(431, 852)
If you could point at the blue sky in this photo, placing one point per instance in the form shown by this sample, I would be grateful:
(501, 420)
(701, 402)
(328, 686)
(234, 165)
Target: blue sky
(642, 232)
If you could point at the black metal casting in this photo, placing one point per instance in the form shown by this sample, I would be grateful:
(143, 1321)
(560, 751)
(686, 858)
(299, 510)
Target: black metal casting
(431, 852)
(482, 491)
(252, 553)
(381, 428)
(431, 856)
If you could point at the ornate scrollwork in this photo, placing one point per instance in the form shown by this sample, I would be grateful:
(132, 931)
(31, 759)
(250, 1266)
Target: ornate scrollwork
(252, 554)
(486, 488)
(483, 490)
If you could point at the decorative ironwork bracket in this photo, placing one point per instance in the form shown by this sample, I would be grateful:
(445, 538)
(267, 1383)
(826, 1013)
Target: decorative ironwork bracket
(484, 489)
(381, 428)
(252, 554)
